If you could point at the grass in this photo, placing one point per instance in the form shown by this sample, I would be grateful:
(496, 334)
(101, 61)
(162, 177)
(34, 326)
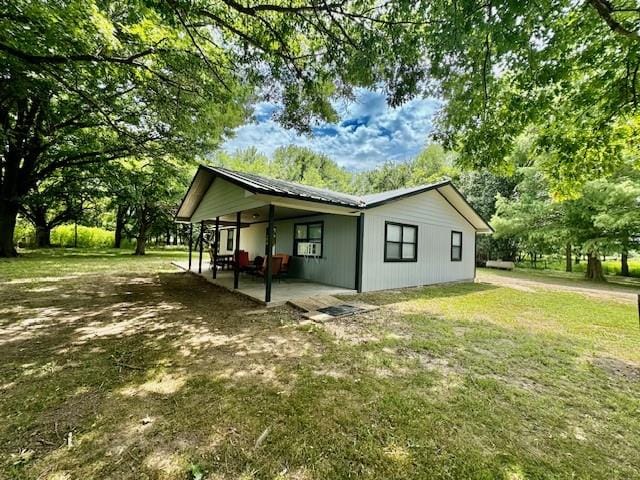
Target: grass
(609, 267)
(37, 264)
(568, 278)
(156, 374)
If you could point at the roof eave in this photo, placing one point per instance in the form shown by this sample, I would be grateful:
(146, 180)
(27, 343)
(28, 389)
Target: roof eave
(487, 224)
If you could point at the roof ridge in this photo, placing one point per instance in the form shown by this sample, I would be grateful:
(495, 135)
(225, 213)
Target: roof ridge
(359, 198)
(290, 182)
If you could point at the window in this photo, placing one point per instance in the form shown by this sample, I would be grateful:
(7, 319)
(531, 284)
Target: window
(456, 246)
(307, 239)
(400, 242)
(230, 236)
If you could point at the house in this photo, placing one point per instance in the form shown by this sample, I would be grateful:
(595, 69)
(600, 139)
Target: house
(401, 238)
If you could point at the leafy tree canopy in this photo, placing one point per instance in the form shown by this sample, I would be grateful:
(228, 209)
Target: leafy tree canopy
(603, 218)
(292, 163)
(568, 68)
(91, 81)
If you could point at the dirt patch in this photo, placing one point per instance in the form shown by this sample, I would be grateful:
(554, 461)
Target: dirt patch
(350, 331)
(603, 291)
(618, 368)
(167, 347)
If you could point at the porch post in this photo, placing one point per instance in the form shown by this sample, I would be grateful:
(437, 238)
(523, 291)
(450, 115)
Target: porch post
(359, 251)
(236, 264)
(269, 273)
(201, 240)
(190, 243)
(216, 242)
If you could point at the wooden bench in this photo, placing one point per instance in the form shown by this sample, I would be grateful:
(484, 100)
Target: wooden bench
(500, 264)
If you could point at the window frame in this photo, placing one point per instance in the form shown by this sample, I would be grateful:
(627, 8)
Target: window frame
(401, 242)
(453, 232)
(231, 236)
(298, 240)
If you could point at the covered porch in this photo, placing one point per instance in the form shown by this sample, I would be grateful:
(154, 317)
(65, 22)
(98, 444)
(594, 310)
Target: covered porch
(281, 291)
(294, 247)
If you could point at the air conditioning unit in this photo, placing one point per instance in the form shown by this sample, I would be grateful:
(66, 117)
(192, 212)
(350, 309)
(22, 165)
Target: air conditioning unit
(309, 249)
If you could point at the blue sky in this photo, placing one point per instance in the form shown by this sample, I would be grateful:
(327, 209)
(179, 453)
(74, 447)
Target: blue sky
(368, 133)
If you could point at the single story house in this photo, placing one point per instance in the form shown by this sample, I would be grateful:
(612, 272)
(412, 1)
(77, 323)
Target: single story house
(401, 238)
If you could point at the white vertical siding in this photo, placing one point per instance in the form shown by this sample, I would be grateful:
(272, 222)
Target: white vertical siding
(435, 219)
(223, 198)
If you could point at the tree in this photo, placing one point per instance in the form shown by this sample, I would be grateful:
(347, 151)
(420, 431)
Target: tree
(481, 189)
(151, 78)
(60, 198)
(248, 160)
(617, 205)
(388, 176)
(151, 189)
(303, 165)
(292, 163)
(603, 217)
(432, 164)
(569, 68)
(530, 217)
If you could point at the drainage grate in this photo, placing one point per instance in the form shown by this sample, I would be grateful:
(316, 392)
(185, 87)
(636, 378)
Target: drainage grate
(341, 310)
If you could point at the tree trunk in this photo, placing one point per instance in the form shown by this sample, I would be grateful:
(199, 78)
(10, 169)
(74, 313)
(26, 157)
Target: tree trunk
(568, 259)
(8, 218)
(120, 218)
(43, 236)
(594, 268)
(141, 240)
(624, 263)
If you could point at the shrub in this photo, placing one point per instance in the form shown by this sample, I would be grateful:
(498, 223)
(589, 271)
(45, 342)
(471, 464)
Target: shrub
(88, 237)
(24, 234)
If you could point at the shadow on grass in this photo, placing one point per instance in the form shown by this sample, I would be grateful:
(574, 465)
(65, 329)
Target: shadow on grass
(139, 375)
(98, 355)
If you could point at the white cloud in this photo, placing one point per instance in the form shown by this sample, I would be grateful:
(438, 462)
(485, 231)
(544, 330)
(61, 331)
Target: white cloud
(369, 132)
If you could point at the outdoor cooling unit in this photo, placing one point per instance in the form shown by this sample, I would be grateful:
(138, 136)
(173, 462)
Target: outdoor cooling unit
(309, 249)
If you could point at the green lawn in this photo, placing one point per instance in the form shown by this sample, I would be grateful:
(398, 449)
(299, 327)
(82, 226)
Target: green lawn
(609, 267)
(157, 374)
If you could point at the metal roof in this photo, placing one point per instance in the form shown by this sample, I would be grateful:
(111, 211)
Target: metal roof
(282, 188)
(272, 186)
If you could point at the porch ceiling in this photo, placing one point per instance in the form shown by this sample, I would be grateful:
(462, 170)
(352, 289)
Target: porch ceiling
(261, 215)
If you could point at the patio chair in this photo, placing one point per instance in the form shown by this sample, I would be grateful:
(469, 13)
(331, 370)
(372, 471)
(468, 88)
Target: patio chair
(243, 260)
(276, 266)
(284, 268)
(220, 262)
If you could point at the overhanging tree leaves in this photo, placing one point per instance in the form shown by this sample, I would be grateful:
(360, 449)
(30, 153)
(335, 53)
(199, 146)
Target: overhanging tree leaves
(569, 68)
(92, 81)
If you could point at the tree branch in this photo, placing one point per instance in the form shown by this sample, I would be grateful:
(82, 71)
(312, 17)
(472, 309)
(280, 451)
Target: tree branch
(82, 57)
(606, 10)
(253, 10)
